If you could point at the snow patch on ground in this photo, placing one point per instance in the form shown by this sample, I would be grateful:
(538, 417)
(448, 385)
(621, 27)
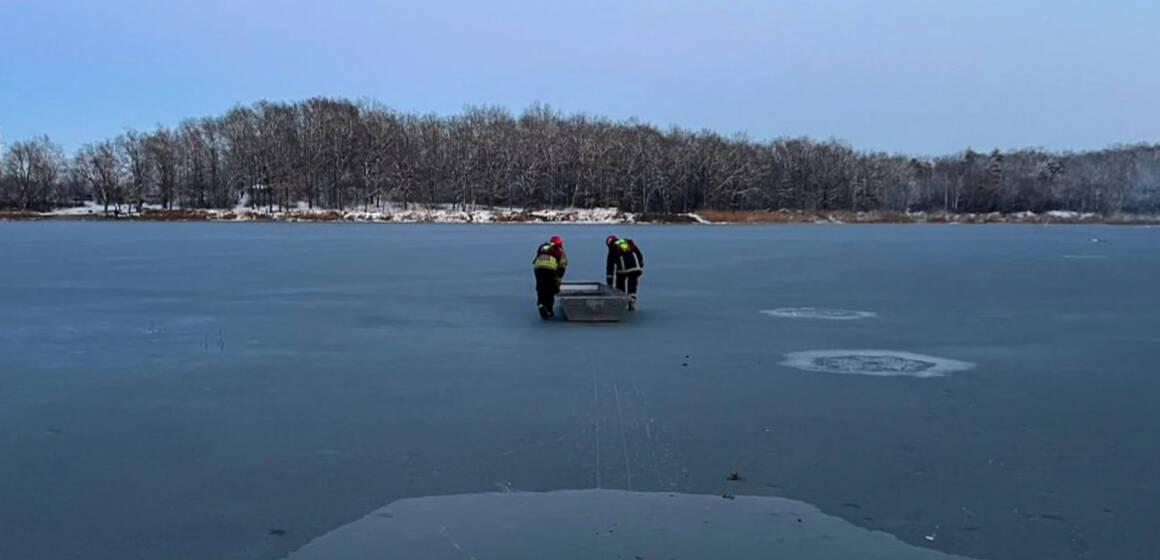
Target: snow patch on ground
(441, 215)
(91, 208)
(1068, 214)
(880, 363)
(301, 212)
(88, 208)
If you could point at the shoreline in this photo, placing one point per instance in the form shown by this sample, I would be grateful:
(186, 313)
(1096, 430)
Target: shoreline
(594, 216)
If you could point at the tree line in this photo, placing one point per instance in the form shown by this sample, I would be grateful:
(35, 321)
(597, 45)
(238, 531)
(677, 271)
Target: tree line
(334, 153)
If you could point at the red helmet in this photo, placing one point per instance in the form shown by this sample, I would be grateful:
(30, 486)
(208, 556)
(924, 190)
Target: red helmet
(610, 239)
(557, 241)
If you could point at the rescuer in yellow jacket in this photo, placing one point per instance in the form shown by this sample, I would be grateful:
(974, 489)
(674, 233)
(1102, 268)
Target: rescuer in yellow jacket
(549, 266)
(624, 266)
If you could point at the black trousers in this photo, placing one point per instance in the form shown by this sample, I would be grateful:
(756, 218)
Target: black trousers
(546, 288)
(626, 281)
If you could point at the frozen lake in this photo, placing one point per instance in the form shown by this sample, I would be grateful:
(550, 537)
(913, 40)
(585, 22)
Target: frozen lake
(193, 391)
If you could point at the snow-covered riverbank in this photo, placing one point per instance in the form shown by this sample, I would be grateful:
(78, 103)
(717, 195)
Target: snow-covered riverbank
(303, 213)
(485, 215)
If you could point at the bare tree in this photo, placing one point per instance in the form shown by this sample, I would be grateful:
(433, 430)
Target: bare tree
(100, 167)
(334, 153)
(161, 148)
(33, 169)
(135, 156)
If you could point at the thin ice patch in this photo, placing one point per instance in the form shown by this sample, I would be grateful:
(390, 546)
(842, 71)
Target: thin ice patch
(882, 363)
(818, 313)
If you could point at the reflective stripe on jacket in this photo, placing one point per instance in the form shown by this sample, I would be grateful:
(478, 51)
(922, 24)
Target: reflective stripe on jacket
(550, 257)
(545, 261)
(624, 257)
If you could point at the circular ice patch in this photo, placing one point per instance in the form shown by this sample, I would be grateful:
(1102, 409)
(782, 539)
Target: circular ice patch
(874, 362)
(816, 313)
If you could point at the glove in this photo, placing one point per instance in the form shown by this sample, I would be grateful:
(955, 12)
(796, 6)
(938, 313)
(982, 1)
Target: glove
(608, 279)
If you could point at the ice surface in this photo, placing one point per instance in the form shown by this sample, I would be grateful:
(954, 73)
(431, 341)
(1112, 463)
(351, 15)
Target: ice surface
(587, 524)
(194, 391)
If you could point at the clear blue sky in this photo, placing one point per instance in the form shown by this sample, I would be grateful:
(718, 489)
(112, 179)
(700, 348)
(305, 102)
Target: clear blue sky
(915, 76)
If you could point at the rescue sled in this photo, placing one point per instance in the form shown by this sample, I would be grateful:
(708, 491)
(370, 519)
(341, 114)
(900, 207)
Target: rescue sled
(591, 301)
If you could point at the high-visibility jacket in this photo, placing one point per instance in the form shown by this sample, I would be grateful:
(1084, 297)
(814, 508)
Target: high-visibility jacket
(623, 257)
(550, 257)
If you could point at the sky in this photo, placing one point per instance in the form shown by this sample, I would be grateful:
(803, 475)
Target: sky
(921, 77)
